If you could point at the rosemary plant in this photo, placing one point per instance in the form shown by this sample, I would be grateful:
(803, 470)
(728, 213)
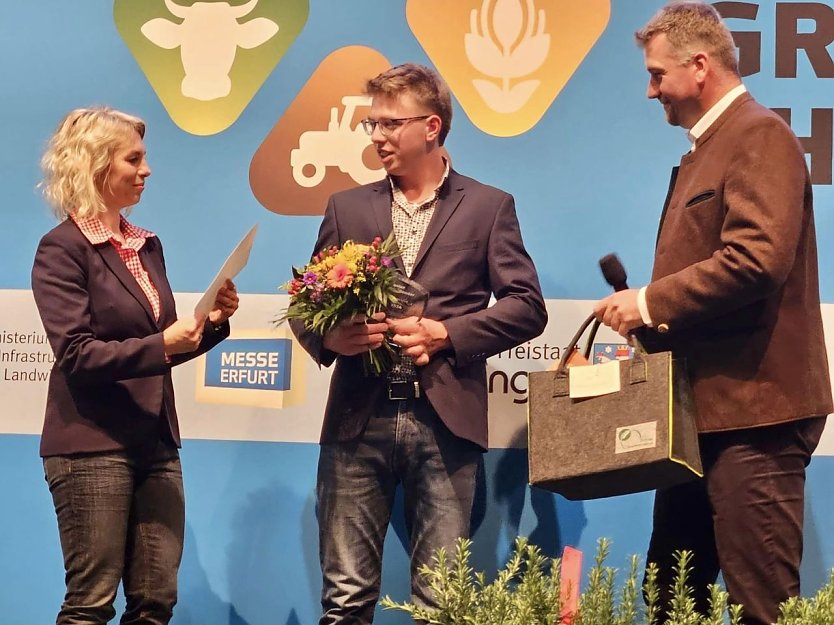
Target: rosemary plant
(527, 591)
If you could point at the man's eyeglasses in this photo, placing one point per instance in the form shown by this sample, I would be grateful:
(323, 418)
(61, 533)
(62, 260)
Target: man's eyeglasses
(388, 126)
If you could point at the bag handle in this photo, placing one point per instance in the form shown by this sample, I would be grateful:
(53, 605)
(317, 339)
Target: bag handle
(562, 369)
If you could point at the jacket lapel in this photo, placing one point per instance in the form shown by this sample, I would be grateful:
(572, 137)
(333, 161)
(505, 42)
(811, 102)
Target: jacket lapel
(111, 258)
(152, 262)
(381, 204)
(690, 157)
(672, 180)
(451, 195)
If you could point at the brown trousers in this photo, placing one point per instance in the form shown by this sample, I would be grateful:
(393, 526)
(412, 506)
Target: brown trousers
(743, 519)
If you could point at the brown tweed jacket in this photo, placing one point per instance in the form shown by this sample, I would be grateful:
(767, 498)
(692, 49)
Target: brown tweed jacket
(735, 286)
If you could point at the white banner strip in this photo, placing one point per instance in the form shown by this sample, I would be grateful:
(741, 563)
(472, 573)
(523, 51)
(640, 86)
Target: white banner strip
(260, 385)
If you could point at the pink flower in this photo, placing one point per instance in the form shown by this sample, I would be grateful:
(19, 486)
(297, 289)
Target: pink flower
(339, 277)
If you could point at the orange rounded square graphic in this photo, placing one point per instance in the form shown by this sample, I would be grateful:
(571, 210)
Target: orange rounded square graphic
(507, 60)
(319, 146)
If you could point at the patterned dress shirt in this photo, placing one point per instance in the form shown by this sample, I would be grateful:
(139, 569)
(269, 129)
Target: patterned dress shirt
(411, 220)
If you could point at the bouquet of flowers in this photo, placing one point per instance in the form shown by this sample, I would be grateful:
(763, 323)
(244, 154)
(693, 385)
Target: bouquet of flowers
(340, 283)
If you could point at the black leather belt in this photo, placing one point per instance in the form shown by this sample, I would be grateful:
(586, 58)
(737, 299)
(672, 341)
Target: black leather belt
(400, 391)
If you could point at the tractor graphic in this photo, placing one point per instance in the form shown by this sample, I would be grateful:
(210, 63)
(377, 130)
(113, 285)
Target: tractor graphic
(341, 145)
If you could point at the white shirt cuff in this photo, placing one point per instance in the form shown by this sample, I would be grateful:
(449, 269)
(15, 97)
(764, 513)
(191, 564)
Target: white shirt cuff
(643, 307)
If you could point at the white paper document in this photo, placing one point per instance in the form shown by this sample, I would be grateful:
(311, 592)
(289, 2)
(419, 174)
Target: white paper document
(594, 380)
(237, 260)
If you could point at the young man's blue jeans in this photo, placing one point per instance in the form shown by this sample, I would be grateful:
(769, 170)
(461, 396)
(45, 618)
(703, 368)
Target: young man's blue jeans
(405, 443)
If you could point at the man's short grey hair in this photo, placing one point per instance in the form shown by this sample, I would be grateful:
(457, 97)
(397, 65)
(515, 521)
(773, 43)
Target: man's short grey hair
(690, 27)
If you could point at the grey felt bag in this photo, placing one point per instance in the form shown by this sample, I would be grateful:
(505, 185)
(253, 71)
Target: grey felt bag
(639, 438)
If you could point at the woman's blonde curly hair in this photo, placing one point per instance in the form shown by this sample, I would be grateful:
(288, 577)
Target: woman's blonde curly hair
(78, 157)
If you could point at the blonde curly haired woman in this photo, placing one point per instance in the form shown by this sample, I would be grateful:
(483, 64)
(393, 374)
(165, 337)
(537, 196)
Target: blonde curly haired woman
(110, 436)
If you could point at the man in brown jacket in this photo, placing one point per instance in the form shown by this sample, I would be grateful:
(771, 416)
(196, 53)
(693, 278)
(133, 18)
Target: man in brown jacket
(735, 292)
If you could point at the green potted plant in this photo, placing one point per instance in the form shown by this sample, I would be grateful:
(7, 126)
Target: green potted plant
(527, 591)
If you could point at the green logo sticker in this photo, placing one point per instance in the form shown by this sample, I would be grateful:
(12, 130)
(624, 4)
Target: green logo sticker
(206, 60)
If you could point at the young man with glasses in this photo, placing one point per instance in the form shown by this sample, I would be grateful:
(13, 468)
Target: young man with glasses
(424, 425)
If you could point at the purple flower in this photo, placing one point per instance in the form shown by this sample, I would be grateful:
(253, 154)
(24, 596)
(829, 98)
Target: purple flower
(386, 261)
(316, 296)
(311, 277)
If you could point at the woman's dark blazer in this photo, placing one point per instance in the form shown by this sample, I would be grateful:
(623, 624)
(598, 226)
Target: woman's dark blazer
(110, 387)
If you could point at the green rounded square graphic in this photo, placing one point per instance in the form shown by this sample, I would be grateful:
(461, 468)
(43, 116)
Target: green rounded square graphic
(206, 60)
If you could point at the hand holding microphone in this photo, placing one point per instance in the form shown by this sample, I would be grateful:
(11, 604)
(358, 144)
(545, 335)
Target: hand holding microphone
(619, 311)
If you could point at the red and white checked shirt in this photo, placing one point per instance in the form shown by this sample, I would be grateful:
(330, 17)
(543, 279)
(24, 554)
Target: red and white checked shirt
(135, 237)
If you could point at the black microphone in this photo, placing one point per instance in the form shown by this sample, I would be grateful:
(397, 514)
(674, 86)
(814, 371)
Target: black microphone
(615, 275)
(613, 272)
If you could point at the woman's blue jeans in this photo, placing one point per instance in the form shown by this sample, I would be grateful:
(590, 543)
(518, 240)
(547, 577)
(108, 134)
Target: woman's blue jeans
(121, 517)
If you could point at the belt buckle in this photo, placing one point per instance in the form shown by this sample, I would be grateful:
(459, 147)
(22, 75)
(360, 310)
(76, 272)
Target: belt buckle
(402, 391)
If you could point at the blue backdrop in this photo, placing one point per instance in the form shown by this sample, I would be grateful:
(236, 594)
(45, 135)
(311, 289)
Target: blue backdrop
(588, 179)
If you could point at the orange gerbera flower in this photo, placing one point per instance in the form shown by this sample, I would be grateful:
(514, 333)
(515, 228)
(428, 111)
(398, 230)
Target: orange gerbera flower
(340, 277)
